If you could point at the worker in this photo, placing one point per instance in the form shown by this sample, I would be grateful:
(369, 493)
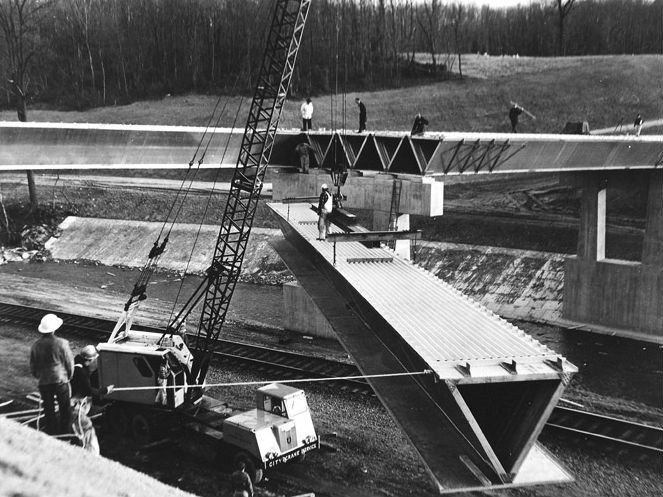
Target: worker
(241, 482)
(307, 114)
(162, 382)
(85, 382)
(325, 206)
(514, 113)
(82, 426)
(52, 362)
(362, 114)
(637, 124)
(303, 150)
(419, 123)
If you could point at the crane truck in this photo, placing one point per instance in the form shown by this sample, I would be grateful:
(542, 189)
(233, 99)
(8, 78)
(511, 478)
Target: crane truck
(279, 428)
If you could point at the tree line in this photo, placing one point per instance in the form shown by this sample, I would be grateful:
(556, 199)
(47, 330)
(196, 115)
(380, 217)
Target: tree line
(79, 53)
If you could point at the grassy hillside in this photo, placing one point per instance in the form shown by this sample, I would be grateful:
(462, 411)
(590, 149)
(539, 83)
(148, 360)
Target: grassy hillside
(602, 90)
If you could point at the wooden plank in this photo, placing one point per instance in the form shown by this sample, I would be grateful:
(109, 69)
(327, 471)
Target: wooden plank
(299, 200)
(375, 236)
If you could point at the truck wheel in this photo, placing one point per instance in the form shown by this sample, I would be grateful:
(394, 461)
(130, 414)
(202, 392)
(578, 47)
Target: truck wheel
(249, 466)
(141, 429)
(117, 420)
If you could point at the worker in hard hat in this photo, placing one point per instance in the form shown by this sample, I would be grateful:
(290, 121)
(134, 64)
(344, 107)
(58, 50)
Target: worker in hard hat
(52, 363)
(325, 206)
(85, 382)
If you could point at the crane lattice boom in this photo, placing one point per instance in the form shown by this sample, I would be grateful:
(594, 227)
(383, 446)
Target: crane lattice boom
(272, 87)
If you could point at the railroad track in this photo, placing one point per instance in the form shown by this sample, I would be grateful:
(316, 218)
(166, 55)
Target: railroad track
(598, 426)
(262, 359)
(293, 365)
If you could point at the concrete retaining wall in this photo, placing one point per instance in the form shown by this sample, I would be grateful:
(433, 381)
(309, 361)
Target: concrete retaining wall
(516, 284)
(116, 242)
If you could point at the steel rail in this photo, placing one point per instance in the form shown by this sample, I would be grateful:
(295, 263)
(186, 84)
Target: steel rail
(607, 428)
(293, 365)
(267, 359)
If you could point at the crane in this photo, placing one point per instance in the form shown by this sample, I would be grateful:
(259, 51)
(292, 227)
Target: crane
(138, 358)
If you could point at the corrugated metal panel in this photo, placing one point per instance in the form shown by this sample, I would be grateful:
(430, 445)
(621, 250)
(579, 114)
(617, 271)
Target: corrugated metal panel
(443, 326)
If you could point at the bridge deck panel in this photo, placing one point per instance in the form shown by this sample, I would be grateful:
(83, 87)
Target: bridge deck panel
(410, 299)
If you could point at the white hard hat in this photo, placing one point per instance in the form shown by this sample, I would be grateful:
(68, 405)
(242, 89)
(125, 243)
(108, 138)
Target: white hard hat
(324, 186)
(49, 323)
(89, 352)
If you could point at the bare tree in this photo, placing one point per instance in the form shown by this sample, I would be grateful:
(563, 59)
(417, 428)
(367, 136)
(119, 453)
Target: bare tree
(19, 22)
(430, 27)
(457, 18)
(81, 10)
(563, 9)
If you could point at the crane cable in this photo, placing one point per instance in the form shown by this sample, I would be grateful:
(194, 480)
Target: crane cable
(159, 247)
(267, 382)
(216, 177)
(200, 225)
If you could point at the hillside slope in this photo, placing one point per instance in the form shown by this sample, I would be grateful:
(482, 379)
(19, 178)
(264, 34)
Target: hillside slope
(600, 89)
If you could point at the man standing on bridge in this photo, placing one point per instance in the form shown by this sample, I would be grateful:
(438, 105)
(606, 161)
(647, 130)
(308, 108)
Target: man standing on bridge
(307, 114)
(362, 115)
(514, 112)
(325, 206)
(52, 362)
(637, 124)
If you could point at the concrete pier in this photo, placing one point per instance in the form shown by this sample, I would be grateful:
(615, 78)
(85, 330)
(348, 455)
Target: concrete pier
(302, 315)
(609, 292)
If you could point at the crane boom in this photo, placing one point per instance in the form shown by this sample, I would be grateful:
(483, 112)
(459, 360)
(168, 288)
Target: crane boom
(273, 81)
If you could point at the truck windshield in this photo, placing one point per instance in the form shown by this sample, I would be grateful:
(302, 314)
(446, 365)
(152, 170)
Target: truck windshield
(296, 405)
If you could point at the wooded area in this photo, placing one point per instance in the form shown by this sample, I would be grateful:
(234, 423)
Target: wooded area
(79, 53)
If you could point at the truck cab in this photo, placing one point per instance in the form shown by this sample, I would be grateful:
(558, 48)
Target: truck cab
(278, 430)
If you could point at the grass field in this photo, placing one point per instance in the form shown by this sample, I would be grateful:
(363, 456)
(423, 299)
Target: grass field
(601, 90)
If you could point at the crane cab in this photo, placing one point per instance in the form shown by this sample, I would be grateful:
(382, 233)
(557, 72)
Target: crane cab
(135, 359)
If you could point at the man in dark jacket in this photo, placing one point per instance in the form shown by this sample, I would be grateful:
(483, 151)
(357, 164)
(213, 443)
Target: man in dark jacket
(362, 115)
(241, 482)
(514, 113)
(303, 150)
(419, 123)
(85, 382)
(52, 363)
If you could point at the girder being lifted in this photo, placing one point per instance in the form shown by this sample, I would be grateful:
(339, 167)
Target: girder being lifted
(475, 419)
